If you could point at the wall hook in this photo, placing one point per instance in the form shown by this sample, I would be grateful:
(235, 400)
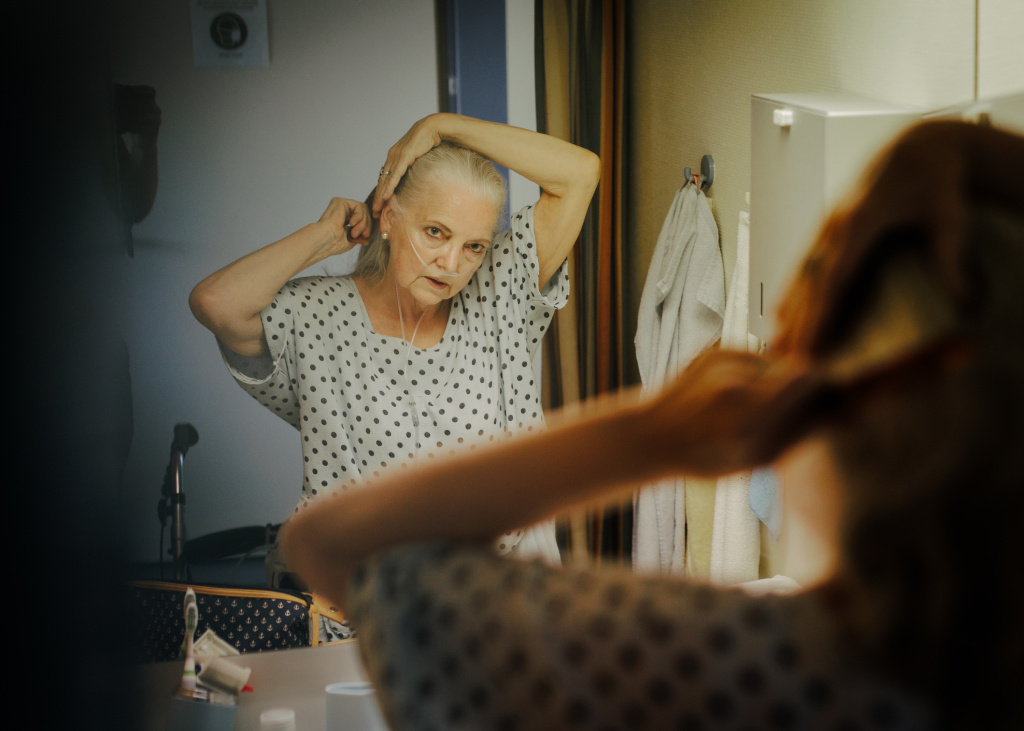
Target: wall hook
(707, 173)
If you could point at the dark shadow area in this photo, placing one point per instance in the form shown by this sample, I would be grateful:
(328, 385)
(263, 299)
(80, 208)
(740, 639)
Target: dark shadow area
(67, 257)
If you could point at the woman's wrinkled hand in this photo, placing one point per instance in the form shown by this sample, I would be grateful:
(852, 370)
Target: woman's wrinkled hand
(350, 222)
(730, 411)
(419, 140)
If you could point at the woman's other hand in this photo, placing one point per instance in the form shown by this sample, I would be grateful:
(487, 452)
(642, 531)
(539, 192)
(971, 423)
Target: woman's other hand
(349, 221)
(419, 140)
(229, 301)
(730, 411)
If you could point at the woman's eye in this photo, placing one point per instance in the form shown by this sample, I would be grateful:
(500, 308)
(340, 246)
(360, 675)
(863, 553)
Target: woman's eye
(433, 232)
(477, 248)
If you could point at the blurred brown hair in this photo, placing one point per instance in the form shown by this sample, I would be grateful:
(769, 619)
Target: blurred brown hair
(933, 474)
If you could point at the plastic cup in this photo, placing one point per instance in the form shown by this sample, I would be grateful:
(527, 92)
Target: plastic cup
(353, 705)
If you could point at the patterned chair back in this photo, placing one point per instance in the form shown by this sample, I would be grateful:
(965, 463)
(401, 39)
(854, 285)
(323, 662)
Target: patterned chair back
(252, 620)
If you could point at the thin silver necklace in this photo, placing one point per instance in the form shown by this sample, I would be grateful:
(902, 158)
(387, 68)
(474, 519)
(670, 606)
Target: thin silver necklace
(408, 361)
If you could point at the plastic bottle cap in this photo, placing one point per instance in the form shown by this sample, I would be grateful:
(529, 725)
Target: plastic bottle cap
(277, 719)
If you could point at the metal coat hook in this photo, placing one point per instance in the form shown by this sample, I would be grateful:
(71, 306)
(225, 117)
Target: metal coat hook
(707, 173)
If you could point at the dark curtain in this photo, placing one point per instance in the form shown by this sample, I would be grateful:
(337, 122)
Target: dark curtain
(581, 89)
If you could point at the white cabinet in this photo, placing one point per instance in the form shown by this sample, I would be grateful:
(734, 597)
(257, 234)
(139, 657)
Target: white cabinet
(806, 151)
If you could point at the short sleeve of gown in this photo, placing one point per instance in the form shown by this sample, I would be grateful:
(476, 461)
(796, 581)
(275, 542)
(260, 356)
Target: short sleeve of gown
(271, 380)
(514, 273)
(459, 638)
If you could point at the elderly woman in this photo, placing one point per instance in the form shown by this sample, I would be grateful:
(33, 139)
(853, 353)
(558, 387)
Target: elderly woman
(892, 411)
(428, 345)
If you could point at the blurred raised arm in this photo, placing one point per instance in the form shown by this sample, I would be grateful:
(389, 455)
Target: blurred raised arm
(727, 412)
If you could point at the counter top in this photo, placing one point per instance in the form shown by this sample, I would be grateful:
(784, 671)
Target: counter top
(280, 679)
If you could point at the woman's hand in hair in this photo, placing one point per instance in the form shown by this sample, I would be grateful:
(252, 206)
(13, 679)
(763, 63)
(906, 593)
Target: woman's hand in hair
(730, 411)
(421, 138)
(229, 301)
(350, 221)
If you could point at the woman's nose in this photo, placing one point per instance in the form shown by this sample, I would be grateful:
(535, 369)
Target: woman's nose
(449, 257)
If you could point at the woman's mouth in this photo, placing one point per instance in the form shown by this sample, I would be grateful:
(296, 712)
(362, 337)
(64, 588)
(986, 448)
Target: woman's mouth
(436, 283)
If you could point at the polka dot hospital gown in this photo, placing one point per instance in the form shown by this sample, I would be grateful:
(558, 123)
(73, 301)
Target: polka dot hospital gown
(456, 638)
(346, 389)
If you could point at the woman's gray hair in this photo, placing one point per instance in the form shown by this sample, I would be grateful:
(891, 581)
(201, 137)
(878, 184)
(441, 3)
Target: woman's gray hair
(447, 164)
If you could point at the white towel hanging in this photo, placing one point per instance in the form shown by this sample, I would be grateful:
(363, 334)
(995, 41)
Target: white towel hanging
(736, 535)
(681, 311)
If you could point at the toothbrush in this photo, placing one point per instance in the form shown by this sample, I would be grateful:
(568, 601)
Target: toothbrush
(188, 677)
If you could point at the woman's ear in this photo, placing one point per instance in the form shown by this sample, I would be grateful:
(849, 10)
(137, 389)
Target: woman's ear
(387, 216)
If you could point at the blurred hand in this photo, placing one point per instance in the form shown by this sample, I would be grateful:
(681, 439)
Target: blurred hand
(730, 411)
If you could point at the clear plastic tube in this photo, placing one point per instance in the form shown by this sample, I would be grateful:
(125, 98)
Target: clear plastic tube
(424, 263)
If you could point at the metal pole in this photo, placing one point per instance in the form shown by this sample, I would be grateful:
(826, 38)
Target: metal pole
(178, 518)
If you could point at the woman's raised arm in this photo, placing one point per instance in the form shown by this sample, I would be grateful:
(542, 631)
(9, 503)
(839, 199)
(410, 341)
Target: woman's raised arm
(566, 174)
(229, 301)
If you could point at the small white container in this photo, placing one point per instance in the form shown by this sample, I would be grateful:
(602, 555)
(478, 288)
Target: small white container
(277, 719)
(353, 706)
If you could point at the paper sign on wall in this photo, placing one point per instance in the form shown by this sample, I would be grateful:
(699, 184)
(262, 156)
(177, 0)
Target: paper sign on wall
(230, 33)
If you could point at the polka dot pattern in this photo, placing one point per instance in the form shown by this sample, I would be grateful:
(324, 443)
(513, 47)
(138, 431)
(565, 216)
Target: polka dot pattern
(457, 638)
(346, 389)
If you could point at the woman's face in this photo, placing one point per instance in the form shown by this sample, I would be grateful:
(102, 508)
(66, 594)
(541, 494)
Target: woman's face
(439, 241)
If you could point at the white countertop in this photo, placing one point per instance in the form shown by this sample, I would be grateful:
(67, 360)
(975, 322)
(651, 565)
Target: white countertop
(280, 679)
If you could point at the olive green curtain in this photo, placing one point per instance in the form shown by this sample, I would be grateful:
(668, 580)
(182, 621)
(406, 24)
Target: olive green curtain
(581, 89)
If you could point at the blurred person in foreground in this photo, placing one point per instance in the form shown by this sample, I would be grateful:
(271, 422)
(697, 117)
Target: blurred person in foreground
(891, 408)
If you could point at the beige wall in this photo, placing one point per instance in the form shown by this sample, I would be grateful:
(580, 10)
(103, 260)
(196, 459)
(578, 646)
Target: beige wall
(1000, 47)
(695, 64)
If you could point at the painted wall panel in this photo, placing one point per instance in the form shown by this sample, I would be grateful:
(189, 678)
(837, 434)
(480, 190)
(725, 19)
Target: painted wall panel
(1000, 47)
(247, 155)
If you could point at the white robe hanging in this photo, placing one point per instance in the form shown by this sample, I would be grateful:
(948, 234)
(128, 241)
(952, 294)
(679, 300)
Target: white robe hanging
(681, 312)
(736, 534)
